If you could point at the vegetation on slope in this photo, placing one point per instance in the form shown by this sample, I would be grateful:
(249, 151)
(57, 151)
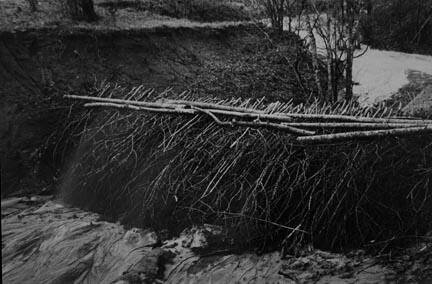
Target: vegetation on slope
(197, 10)
(264, 188)
(399, 25)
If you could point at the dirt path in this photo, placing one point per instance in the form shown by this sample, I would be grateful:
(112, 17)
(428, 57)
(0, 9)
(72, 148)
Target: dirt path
(46, 242)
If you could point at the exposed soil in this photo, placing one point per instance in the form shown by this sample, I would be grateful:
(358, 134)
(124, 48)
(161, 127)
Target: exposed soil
(44, 56)
(40, 66)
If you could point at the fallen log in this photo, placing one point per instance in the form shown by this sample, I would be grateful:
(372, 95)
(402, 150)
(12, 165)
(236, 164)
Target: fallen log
(366, 134)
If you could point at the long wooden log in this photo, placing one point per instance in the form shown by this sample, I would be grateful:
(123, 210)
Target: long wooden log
(302, 116)
(258, 116)
(290, 127)
(277, 126)
(213, 106)
(197, 110)
(117, 102)
(126, 102)
(365, 134)
(140, 108)
(359, 119)
(251, 113)
(179, 109)
(344, 125)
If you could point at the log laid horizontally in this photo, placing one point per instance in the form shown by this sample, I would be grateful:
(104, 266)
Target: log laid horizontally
(363, 134)
(304, 126)
(251, 113)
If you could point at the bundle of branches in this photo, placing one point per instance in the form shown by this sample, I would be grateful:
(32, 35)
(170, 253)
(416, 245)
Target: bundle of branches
(148, 167)
(333, 126)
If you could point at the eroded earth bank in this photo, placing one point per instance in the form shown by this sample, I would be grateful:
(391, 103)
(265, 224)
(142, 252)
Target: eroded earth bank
(47, 241)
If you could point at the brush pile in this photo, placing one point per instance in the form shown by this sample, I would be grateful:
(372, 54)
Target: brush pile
(271, 174)
(292, 123)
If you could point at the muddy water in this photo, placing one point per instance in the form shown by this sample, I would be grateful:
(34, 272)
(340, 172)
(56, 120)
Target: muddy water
(379, 73)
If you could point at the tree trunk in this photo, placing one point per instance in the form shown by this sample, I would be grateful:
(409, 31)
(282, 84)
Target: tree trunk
(275, 11)
(348, 72)
(314, 53)
(82, 10)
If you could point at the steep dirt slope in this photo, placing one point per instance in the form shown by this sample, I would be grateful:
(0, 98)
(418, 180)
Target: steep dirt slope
(38, 67)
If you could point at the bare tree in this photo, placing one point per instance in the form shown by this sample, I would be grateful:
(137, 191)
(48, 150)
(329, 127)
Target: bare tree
(275, 10)
(352, 10)
(81, 10)
(314, 52)
(337, 24)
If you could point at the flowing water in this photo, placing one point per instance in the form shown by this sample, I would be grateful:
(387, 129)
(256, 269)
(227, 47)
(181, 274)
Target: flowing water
(379, 73)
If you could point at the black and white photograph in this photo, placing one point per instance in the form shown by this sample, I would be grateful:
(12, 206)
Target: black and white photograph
(216, 141)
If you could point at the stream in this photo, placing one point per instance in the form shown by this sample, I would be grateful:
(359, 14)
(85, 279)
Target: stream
(379, 74)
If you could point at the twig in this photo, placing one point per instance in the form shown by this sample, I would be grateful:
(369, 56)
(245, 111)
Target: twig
(217, 120)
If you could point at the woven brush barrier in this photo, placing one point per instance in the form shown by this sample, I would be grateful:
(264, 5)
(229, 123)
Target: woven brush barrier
(273, 175)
